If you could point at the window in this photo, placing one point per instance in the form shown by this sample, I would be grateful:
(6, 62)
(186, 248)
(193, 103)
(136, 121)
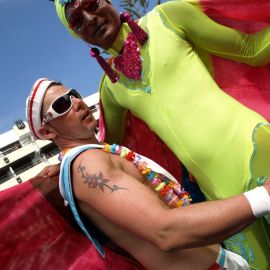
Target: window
(19, 180)
(20, 124)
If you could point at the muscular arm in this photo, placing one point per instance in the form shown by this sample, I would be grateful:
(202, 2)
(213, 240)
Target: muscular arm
(135, 207)
(114, 116)
(196, 27)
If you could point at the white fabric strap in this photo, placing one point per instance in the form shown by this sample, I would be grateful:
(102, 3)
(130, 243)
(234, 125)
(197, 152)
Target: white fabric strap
(259, 201)
(235, 262)
(231, 261)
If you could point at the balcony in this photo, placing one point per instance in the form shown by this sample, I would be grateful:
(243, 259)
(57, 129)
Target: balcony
(27, 171)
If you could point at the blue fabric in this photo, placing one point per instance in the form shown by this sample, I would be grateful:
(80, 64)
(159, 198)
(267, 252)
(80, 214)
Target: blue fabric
(191, 187)
(65, 178)
(222, 258)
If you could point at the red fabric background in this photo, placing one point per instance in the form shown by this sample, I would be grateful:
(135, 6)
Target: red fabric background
(38, 232)
(249, 85)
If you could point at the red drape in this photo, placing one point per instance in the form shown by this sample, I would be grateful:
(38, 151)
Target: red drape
(38, 232)
(249, 85)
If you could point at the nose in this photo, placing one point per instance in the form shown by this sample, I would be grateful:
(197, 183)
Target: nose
(88, 17)
(78, 104)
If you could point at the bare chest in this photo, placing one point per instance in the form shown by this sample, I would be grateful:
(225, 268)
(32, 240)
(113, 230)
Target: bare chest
(128, 167)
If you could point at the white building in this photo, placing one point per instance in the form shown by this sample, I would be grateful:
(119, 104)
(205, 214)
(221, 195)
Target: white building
(22, 157)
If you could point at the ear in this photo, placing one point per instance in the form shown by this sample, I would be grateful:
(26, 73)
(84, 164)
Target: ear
(47, 133)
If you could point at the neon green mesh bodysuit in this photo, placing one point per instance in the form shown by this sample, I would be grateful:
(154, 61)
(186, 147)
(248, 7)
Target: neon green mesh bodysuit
(210, 132)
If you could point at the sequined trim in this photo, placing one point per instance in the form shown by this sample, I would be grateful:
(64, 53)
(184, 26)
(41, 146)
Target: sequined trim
(238, 244)
(142, 85)
(165, 22)
(260, 180)
(251, 180)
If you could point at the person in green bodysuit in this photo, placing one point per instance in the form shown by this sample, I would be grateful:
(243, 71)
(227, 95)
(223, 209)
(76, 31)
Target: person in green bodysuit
(212, 134)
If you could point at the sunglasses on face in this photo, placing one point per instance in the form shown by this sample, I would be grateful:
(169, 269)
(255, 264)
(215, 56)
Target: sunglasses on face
(60, 106)
(74, 12)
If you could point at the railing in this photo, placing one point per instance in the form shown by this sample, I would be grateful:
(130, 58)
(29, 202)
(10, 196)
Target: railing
(15, 147)
(27, 166)
(4, 178)
(52, 152)
(11, 149)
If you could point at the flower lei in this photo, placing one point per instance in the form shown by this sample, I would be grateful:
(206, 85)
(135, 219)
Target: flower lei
(62, 154)
(170, 191)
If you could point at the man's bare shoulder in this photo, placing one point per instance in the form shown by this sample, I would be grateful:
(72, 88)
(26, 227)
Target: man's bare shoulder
(95, 159)
(94, 175)
(93, 164)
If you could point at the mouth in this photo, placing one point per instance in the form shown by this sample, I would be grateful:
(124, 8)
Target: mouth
(100, 29)
(86, 115)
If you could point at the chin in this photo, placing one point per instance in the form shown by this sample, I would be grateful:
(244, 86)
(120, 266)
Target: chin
(108, 40)
(91, 126)
(110, 36)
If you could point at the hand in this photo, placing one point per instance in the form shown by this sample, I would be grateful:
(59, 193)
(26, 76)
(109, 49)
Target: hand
(51, 171)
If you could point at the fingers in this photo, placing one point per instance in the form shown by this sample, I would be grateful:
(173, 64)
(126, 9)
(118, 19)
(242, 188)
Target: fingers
(50, 171)
(53, 170)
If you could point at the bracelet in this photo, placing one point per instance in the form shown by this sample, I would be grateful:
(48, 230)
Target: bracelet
(259, 201)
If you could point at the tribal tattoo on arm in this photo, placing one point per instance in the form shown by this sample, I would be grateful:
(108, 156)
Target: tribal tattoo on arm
(96, 180)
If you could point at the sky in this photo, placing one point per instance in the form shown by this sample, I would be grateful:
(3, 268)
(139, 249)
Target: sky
(34, 44)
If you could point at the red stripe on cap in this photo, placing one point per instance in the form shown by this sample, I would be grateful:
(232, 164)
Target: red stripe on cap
(31, 107)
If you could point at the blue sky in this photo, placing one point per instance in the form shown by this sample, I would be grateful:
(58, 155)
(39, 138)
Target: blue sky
(34, 44)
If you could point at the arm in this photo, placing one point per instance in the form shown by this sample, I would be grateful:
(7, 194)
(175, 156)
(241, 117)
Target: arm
(124, 200)
(114, 116)
(193, 24)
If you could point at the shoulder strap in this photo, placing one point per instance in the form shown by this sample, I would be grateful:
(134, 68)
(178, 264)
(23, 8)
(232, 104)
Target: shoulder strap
(65, 185)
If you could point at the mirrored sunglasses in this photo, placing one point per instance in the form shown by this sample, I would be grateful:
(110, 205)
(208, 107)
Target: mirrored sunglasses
(74, 12)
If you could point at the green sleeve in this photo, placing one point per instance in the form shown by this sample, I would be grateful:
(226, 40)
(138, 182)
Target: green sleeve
(114, 116)
(191, 23)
